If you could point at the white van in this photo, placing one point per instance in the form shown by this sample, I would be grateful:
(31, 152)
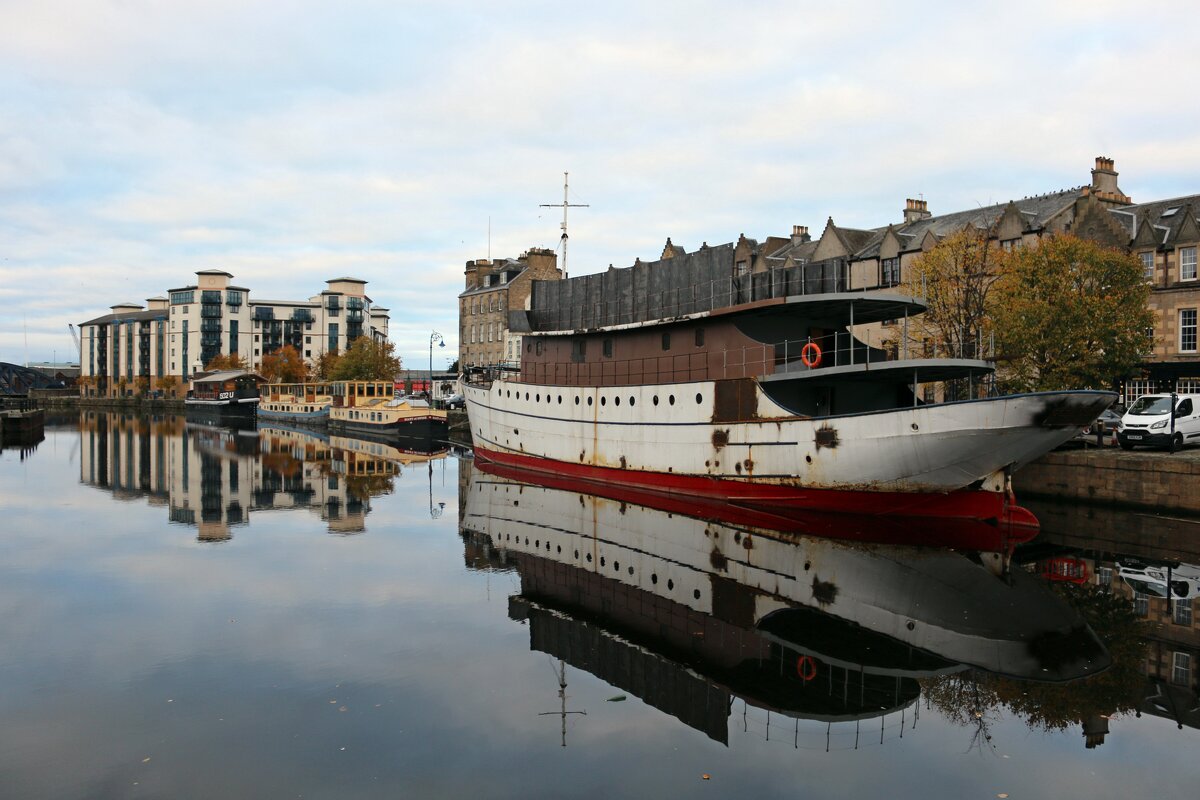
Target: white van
(1148, 422)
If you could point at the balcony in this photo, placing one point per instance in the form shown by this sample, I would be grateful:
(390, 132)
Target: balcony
(210, 312)
(210, 297)
(302, 315)
(264, 313)
(210, 326)
(355, 303)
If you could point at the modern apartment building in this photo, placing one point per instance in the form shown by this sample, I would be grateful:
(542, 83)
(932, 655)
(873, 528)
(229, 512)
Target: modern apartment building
(135, 347)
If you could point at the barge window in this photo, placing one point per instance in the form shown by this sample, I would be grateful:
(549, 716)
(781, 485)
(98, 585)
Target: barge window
(699, 337)
(578, 349)
(608, 348)
(666, 341)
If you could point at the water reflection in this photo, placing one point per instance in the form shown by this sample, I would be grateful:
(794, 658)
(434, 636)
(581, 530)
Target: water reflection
(214, 478)
(824, 640)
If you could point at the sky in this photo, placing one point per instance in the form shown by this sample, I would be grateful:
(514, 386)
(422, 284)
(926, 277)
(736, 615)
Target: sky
(293, 142)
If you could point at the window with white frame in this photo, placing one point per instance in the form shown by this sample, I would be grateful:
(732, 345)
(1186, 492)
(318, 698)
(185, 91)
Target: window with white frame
(1137, 388)
(1104, 576)
(1187, 385)
(1181, 612)
(1008, 245)
(1147, 264)
(889, 271)
(1187, 263)
(1181, 672)
(1187, 330)
(1141, 604)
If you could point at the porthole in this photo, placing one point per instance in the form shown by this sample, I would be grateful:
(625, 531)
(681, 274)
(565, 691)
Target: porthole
(632, 400)
(696, 593)
(616, 566)
(603, 401)
(509, 392)
(537, 542)
(577, 554)
(631, 570)
(576, 399)
(654, 577)
(526, 540)
(671, 399)
(670, 584)
(559, 548)
(548, 547)
(616, 401)
(602, 561)
(655, 399)
(589, 558)
(527, 395)
(589, 401)
(538, 398)
(560, 399)
(699, 398)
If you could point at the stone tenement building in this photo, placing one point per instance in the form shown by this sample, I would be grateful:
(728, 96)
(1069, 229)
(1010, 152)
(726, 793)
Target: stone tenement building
(1165, 234)
(486, 334)
(131, 349)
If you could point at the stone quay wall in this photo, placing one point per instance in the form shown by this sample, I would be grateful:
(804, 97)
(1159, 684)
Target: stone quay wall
(1138, 479)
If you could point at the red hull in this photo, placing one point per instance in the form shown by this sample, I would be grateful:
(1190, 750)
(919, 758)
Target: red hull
(966, 518)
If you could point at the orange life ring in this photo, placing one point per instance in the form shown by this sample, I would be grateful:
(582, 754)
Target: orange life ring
(806, 668)
(810, 354)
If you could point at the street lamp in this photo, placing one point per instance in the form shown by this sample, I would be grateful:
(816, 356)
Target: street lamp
(433, 337)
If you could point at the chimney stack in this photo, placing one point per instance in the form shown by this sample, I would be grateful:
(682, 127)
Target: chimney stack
(915, 210)
(800, 234)
(1104, 182)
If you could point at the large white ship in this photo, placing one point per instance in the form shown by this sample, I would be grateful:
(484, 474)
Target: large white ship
(770, 403)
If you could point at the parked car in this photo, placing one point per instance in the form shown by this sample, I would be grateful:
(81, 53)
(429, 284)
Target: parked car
(1106, 425)
(1149, 422)
(455, 401)
(1151, 580)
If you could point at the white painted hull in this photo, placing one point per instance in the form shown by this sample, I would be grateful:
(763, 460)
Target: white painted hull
(933, 448)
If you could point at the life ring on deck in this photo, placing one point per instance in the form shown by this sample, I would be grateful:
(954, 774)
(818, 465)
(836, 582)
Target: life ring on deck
(806, 668)
(810, 354)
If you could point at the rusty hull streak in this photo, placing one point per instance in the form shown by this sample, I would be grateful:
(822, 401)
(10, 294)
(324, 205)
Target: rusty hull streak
(824, 592)
(1062, 413)
(720, 438)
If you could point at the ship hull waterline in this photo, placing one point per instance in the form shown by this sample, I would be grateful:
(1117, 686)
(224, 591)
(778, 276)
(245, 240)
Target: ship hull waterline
(946, 460)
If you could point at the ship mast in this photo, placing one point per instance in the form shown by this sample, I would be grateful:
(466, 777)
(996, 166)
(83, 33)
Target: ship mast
(565, 204)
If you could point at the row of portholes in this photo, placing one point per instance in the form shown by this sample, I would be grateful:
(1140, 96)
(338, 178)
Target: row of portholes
(537, 398)
(537, 543)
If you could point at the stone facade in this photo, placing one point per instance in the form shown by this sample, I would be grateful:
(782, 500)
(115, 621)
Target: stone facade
(494, 289)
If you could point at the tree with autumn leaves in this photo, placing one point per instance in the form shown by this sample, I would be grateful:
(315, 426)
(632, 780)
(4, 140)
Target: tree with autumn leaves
(1070, 313)
(365, 360)
(1064, 313)
(284, 365)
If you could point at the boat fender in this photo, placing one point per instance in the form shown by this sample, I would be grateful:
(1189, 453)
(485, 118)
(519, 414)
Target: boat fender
(806, 668)
(811, 355)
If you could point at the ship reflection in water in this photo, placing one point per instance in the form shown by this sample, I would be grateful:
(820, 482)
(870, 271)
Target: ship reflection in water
(828, 640)
(214, 478)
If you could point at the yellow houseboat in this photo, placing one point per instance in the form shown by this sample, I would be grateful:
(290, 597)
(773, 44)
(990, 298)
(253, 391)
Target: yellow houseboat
(370, 407)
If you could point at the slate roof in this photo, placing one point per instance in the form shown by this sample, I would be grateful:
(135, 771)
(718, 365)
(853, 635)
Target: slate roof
(1167, 227)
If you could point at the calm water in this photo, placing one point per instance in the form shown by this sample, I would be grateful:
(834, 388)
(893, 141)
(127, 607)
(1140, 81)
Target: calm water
(209, 614)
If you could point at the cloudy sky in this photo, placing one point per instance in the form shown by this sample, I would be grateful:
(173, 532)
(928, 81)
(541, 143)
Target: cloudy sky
(292, 142)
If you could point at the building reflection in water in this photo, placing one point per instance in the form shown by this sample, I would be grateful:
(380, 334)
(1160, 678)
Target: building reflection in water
(214, 478)
(827, 642)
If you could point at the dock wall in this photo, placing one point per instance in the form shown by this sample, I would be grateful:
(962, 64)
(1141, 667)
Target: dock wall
(1139, 479)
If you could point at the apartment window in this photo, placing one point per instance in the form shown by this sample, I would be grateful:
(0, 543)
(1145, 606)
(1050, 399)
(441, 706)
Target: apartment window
(1187, 330)
(181, 298)
(308, 340)
(1147, 265)
(1187, 263)
(1181, 612)
(1149, 342)
(1141, 604)
(1008, 245)
(308, 353)
(1181, 672)
(889, 271)
(741, 268)
(233, 298)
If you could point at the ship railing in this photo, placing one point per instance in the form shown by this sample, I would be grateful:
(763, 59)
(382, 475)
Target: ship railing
(810, 354)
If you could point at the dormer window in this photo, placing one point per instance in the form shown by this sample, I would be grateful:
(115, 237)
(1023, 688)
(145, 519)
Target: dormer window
(1170, 212)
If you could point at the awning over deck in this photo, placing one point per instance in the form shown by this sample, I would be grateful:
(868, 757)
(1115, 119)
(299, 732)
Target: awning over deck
(919, 370)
